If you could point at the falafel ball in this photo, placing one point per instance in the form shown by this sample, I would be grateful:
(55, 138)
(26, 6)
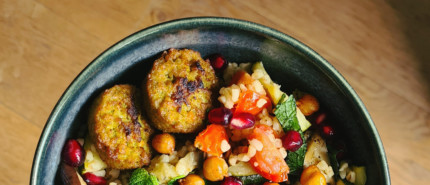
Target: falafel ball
(119, 130)
(178, 91)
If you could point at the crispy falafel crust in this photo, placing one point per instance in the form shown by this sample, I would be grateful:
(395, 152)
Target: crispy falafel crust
(178, 91)
(119, 131)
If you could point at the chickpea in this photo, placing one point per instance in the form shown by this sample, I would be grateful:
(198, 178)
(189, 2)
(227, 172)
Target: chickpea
(308, 104)
(215, 168)
(270, 183)
(164, 143)
(312, 176)
(192, 179)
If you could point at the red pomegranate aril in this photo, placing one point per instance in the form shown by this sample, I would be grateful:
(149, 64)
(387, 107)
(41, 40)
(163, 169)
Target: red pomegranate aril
(242, 120)
(220, 116)
(231, 181)
(327, 131)
(320, 118)
(73, 154)
(92, 179)
(218, 62)
(292, 141)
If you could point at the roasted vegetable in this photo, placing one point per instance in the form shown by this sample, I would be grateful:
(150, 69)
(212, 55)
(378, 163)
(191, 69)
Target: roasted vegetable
(317, 154)
(212, 139)
(312, 176)
(360, 175)
(268, 162)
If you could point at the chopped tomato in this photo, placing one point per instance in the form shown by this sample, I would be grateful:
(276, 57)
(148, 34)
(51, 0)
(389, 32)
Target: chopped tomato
(210, 139)
(241, 77)
(248, 102)
(268, 162)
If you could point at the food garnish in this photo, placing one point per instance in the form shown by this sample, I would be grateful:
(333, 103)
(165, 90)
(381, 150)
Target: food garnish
(141, 177)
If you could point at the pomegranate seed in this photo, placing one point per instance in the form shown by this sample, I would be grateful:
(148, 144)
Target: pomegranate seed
(231, 181)
(220, 116)
(73, 153)
(320, 118)
(242, 120)
(92, 179)
(218, 62)
(292, 141)
(327, 131)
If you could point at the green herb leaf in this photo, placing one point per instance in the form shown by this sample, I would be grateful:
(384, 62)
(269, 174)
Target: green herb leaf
(295, 160)
(141, 177)
(287, 114)
(333, 161)
(172, 181)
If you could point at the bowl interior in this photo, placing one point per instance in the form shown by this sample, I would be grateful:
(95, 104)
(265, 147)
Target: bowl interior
(288, 62)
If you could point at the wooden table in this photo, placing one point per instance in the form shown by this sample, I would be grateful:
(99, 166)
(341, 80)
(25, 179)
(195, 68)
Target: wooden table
(381, 48)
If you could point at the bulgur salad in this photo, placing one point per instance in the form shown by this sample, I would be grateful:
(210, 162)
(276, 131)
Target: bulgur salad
(207, 121)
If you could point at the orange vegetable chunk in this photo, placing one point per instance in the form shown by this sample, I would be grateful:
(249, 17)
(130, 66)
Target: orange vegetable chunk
(312, 176)
(210, 140)
(268, 162)
(248, 102)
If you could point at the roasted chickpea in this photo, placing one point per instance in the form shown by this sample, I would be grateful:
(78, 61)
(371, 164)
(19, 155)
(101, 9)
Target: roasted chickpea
(312, 176)
(308, 104)
(270, 183)
(215, 168)
(164, 143)
(192, 179)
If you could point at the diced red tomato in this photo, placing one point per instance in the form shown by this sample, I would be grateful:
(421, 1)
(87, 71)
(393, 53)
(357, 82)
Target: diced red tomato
(241, 77)
(210, 139)
(268, 162)
(248, 102)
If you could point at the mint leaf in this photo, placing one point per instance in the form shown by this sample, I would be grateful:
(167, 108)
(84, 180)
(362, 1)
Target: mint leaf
(172, 181)
(295, 160)
(141, 177)
(287, 114)
(333, 160)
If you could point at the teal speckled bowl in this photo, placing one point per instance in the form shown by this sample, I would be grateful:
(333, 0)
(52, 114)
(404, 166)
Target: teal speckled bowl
(288, 61)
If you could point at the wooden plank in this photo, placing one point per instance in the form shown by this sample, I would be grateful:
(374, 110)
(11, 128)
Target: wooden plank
(108, 21)
(404, 128)
(19, 139)
(40, 55)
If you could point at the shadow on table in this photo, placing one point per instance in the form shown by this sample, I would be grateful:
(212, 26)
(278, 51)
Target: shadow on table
(415, 17)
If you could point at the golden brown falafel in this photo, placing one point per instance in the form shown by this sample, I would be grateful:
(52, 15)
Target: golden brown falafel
(119, 131)
(178, 91)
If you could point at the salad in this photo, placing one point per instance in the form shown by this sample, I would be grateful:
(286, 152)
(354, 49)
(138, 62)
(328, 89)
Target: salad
(197, 121)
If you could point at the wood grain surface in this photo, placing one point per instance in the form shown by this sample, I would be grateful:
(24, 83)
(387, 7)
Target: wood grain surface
(381, 47)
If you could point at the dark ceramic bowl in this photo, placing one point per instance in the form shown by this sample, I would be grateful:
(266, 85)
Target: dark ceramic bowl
(288, 61)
